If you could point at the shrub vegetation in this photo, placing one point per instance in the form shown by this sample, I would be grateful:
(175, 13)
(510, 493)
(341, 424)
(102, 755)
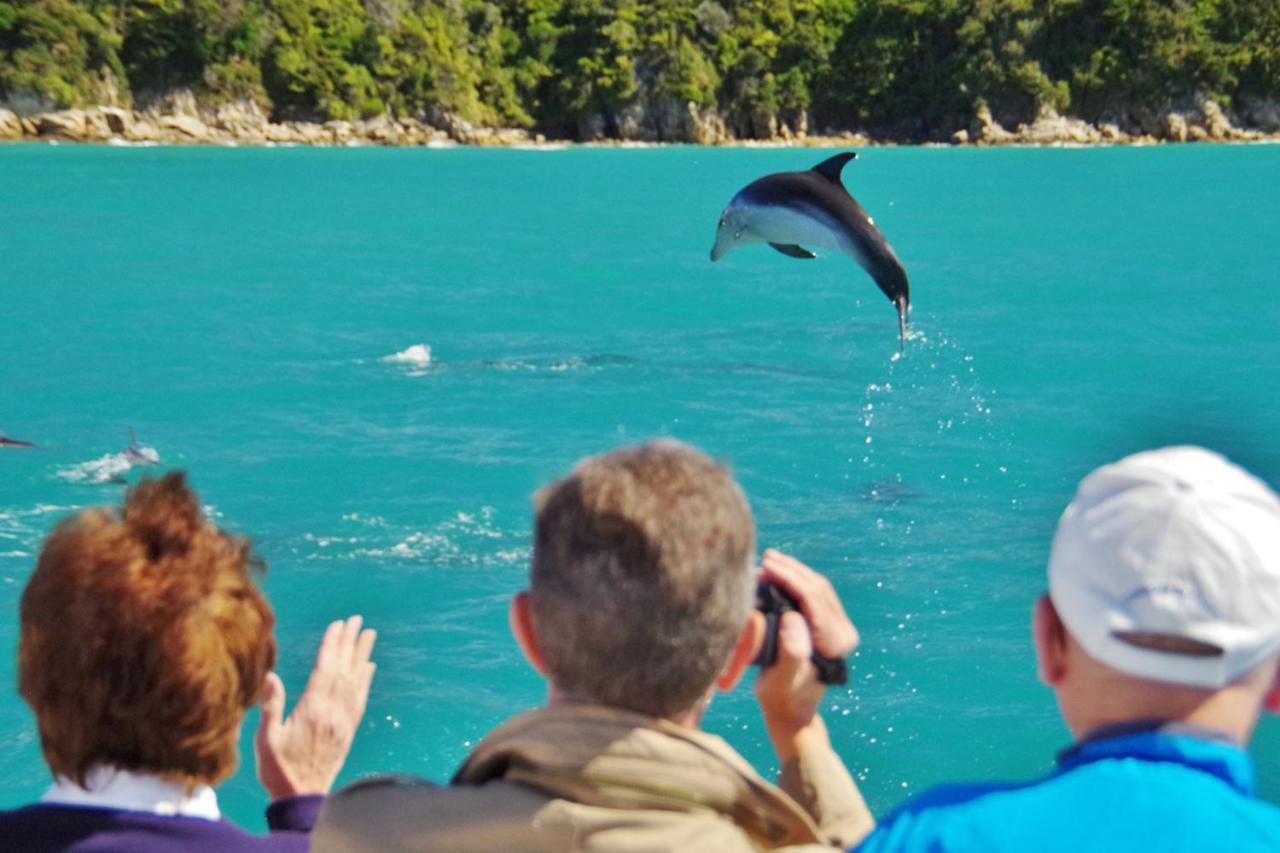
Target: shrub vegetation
(914, 69)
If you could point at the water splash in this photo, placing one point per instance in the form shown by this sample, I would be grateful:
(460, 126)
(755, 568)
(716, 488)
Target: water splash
(463, 539)
(109, 468)
(416, 358)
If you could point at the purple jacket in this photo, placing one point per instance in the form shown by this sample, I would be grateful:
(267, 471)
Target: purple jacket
(48, 828)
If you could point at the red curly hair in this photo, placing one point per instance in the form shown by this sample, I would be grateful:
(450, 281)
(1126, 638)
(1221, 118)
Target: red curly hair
(144, 638)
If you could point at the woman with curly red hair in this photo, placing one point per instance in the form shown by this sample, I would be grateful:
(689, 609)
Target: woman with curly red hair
(144, 639)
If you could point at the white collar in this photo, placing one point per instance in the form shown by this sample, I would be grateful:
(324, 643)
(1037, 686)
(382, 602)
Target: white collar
(111, 788)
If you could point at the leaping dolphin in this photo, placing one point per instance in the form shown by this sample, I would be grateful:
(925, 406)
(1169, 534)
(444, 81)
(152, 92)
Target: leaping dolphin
(13, 442)
(788, 210)
(135, 455)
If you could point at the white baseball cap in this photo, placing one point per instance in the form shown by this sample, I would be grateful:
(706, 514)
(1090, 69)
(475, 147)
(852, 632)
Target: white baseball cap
(1167, 566)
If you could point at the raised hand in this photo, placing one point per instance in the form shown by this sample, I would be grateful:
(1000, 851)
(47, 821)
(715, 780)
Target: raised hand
(303, 754)
(789, 692)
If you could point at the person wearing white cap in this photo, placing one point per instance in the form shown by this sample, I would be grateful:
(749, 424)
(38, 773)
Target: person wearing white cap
(1160, 637)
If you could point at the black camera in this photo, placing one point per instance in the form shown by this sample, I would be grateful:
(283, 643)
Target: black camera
(772, 600)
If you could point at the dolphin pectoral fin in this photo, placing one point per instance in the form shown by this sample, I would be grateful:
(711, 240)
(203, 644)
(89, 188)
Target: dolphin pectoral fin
(830, 168)
(793, 250)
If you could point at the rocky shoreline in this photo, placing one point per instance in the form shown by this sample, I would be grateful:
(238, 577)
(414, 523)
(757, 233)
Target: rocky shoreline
(181, 121)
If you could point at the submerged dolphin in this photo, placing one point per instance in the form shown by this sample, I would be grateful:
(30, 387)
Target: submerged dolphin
(13, 442)
(788, 209)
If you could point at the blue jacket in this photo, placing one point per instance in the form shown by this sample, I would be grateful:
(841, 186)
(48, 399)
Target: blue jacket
(1140, 788)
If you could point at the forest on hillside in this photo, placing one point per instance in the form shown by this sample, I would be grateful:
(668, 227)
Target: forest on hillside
(909, 69)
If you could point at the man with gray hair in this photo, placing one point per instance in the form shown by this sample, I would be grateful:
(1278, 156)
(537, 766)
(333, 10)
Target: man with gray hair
(639, 608)
(1160, 637)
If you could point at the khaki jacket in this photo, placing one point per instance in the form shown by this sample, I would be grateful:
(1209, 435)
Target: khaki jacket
(583, 777)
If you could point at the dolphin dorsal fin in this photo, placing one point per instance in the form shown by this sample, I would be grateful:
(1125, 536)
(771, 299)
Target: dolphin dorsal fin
(830, 168)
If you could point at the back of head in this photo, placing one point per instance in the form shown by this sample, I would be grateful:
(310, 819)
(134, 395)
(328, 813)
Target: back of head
(641, 577)
(1166, 566)
(143, 639)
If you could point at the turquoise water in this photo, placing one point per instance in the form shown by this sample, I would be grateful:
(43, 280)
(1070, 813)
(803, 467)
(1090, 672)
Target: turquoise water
(235, 307)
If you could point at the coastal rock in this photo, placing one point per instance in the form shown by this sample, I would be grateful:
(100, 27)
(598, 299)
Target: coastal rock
(661, 119)
(457, 128)
(764, 124)
(510, 136)
(797, 121)
(1049, 128)
(97, 127)
(1216, 123)
(67, 124)
(985, 130)
(709, 127)
(381, 130)
(278, 133)
(1262, 113)
(633, 124)
(850, 139)
(186, 128)
(417, 133)
(241, 119)
(10, 125)
(672, 120)
(142, 129)
(179, 102)
(309, 134)
(106, 89)
(1112, 133)
(960, 137)
(1175, 128)
(590, 128)
(116, 119)
(341, 131)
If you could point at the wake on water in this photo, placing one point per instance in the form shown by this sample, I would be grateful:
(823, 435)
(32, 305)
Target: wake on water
(109, 468)
(419, 358)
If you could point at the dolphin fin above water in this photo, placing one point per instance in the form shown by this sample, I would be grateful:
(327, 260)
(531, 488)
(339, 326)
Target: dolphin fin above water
(793, 250)
(136, 455)
(831, 167)
(788, 209)
(13, 442)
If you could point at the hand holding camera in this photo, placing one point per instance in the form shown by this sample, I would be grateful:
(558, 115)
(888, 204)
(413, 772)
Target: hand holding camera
(773, 601)
(812, 636)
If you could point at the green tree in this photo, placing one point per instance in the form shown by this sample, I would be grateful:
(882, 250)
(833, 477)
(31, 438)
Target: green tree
(318, 64)
(64, 51)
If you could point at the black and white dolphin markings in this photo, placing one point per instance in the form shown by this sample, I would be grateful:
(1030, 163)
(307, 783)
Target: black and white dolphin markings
(13, 442)
(789, 210)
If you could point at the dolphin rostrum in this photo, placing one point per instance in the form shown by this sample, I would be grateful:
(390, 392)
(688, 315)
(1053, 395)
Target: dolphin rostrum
(788, 210)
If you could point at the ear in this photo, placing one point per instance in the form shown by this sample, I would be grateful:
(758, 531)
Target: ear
(1050, 638)
(1271, 700)
(744, 652)
(521, 618)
